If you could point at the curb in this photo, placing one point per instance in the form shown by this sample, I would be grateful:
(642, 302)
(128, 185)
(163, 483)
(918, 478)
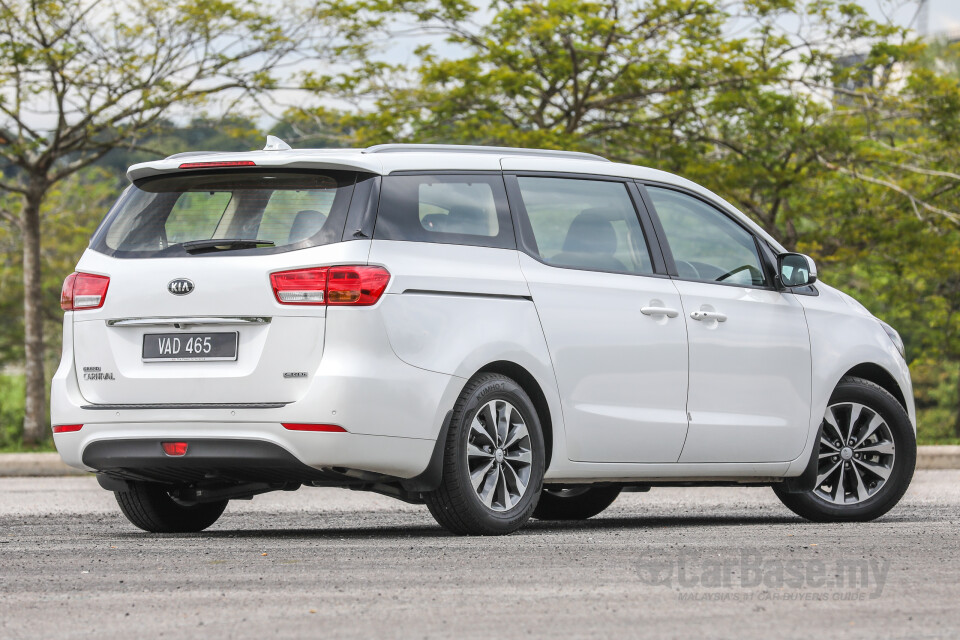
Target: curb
(20, 465)
(938, 457)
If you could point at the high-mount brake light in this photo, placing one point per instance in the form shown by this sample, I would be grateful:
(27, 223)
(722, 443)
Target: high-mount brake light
(355, 286)
(66, 428)
(82, 291)
(218, 165)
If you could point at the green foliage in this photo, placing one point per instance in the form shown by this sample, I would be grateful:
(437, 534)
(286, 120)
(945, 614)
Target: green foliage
(11, 411)
(936, 393)
(851, 158)
(83, 77)
(70, 214)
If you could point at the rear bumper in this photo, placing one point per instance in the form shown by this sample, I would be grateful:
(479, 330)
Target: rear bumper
(205, 461)
(235, 446)
(230, 461)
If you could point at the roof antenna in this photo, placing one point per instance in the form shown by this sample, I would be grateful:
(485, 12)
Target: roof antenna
(276, 144)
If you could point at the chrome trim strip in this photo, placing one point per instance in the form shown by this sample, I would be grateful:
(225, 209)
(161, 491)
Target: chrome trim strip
(179, 323)
(174, 405)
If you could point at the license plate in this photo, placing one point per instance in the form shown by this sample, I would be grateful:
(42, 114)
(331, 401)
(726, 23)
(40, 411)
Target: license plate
(181, 347)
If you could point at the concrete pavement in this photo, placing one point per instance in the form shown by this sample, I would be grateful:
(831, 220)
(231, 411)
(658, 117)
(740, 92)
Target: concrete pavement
(671, 563)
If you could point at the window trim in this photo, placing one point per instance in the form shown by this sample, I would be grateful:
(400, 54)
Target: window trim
(504, 238)
(362, 214)
(668, 252)
(527, 244)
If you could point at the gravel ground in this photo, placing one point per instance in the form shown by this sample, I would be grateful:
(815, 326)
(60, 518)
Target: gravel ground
(724, 562)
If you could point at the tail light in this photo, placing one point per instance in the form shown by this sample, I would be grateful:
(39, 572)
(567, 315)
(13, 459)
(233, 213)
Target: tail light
(357, 286)
(303, 286)
(83, 291)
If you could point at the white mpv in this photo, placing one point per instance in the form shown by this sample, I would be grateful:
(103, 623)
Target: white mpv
(497, 333)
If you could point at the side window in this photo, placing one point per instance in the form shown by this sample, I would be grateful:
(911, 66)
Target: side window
(452, 209)
(706, 244)
(584, 224)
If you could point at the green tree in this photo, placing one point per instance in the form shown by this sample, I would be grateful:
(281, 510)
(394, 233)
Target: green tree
(84, 77)
(835, 132)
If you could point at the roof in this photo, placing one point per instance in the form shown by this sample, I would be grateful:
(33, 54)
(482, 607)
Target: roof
(390, 158)
(381, 159)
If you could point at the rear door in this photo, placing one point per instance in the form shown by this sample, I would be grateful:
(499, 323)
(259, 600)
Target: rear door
(749, 398)
(613, 324)
(186, 324)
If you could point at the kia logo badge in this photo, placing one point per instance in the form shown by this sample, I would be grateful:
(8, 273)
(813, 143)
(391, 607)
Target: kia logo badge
(180, 286)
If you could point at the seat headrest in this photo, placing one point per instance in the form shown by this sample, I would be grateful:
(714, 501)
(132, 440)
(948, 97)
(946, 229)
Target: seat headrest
(591, 232)
(467, 219)
(307, 223)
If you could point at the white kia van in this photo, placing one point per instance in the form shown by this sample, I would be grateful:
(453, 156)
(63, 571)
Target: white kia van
(497, 333)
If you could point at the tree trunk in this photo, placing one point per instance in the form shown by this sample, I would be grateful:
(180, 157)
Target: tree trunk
(35, 416)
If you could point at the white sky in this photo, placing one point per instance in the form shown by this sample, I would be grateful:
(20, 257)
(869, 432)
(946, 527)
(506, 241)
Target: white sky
(944, 15)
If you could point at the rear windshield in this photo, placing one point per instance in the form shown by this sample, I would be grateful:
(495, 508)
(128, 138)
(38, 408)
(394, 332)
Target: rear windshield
(281, 210)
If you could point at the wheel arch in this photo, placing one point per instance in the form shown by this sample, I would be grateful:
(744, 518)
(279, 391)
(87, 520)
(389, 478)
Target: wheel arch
(533, 389)
(878, 375)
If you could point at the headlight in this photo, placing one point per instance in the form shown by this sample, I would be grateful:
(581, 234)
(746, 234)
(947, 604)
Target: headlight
(894, 338)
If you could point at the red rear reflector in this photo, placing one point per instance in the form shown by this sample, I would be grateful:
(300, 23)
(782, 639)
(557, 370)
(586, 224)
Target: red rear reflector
(174, 448)
(357, 286)
(331, 428)
(218, 165)
(66, 428)
(83, 291)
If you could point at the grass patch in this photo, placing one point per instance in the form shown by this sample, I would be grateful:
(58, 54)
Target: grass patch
(11, 417)
(11, 411)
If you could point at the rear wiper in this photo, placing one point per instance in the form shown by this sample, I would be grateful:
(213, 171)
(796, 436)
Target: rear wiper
(223, 244)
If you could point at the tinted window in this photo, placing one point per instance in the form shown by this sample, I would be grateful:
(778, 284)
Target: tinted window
(454, 209)
(706, 244)
(585, 224)
(290, 209)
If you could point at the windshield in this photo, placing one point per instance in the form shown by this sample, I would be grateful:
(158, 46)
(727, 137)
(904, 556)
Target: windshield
(271, 211)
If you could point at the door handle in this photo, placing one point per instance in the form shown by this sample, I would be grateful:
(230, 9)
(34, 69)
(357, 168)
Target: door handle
(659, 311)
(708, 315)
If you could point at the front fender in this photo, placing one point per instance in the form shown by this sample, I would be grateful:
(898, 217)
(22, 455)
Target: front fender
(844, 335)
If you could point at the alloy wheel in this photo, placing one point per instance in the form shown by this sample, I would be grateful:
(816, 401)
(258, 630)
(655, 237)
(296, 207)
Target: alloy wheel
(857, 454)
(499, 456)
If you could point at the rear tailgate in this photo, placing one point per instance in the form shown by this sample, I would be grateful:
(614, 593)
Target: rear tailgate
(278, 347)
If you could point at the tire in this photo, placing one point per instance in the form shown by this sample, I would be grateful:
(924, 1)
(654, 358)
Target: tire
(501, 459)
(148, 506)
(577, 503)
(893, 435)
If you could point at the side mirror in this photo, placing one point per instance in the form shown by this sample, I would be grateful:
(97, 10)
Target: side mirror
(796, 270)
